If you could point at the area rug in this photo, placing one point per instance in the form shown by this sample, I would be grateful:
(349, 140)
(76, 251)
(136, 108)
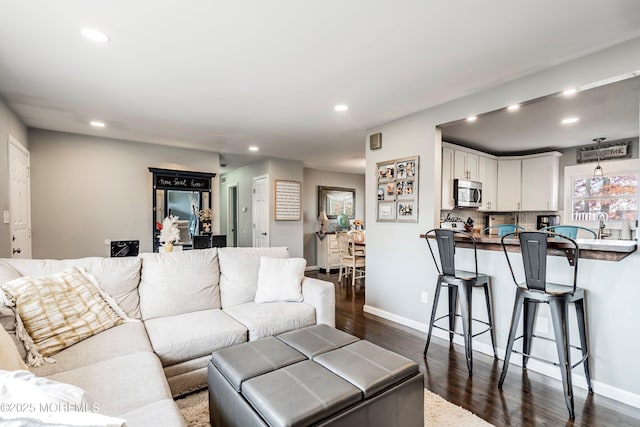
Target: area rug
(437, 412)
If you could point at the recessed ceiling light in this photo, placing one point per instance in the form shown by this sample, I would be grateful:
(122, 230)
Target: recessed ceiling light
(513, 107)
(95, 35)
(570, 92)
(253, 148)
(341, 107)
(570, 120)
(97, 123)
(472, 118)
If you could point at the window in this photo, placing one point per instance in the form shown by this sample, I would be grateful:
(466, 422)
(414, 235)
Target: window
(611, 198)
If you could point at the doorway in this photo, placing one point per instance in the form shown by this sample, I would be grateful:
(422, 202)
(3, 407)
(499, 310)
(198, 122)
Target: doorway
(261, 211)
(19, 199)
(232, 215)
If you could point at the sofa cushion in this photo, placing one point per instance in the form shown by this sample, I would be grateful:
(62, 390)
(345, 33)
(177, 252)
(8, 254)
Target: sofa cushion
(179, 282)
(118, 277)
(59, 310)
(263, 320)
(44, 398)
(121, 384)
(127, 338)
(188, 336)
(280, 279)
(239, 272)
(163, 413)
(10, 359)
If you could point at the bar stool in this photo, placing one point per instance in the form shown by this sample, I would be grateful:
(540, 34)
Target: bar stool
(458, 282)
(536, 290)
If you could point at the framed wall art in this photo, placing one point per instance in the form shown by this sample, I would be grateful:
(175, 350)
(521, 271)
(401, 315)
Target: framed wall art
(397, 194)
(288, 200)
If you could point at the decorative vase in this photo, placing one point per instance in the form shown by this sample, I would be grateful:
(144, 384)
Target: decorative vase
(206, 226)
(168, 247)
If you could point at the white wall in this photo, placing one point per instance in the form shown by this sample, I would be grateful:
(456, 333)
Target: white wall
(86, 189)
(314, 178)
(9, 125)
(399, 267)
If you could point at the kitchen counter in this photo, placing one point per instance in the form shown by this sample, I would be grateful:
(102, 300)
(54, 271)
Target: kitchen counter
(602, 249)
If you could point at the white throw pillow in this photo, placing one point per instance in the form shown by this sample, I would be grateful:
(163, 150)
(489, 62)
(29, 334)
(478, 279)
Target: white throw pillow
(280, 279)
(36, 401)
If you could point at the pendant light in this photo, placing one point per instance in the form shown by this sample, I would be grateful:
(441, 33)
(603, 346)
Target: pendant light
(598, 172)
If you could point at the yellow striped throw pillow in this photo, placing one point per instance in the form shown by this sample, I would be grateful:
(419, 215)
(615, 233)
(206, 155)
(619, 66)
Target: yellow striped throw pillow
(56, 311)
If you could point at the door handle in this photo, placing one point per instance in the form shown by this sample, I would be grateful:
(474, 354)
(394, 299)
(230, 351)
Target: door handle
(16, 250)
(264, 234)
(13, 238)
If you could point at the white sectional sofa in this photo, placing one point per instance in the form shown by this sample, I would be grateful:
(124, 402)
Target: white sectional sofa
(183, 306)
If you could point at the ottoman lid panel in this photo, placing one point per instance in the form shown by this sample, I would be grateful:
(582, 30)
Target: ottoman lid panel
(299, 394)
(317, 339)
(244, 361)
(367, 366)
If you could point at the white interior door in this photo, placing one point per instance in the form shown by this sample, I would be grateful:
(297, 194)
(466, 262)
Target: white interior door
(261, 212)
(19, 199)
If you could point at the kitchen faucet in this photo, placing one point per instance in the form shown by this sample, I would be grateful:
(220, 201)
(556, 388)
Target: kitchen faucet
(601, 226)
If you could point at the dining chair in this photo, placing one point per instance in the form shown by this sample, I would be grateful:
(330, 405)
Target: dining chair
(535, 290)
(502, 229)
(350, 261)
(570, 231)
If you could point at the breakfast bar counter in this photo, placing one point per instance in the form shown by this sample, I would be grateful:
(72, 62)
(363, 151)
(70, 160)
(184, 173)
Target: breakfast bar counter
(602, 249)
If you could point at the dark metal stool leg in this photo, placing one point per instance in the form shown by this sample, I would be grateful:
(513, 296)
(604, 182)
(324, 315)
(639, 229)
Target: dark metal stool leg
(559, 313)
(515, 318)
(584, 343)
(465, 290)
(487, 297)
(453, 302)
(529, 320)
(436, 297)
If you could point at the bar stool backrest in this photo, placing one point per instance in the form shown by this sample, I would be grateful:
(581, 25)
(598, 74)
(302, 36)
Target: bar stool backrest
(445, 239)
(533, 245)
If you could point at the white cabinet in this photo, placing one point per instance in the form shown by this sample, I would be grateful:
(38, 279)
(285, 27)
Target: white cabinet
(465, 165)
(447, 201)
(509, 185)
(540, 177)
(328, 254)
(488, 176)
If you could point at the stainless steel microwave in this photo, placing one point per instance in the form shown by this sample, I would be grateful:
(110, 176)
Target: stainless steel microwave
(467, 194)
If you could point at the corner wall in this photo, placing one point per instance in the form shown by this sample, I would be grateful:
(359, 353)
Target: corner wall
(312, 179)
(281, 233)
(399, 267)
(86, 189)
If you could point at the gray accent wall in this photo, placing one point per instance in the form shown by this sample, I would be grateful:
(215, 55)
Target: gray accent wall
(9, 125)
(314, 178)
(87, 189)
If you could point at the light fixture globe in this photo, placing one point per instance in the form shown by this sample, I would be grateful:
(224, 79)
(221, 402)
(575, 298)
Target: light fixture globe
(598, 172)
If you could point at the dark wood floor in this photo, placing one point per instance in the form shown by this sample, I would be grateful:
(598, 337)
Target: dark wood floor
(527, 398)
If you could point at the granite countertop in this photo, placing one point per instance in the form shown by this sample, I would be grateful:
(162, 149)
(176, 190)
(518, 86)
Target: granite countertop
(603, 249)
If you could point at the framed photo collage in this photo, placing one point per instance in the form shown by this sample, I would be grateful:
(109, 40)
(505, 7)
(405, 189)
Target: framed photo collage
(398, 190)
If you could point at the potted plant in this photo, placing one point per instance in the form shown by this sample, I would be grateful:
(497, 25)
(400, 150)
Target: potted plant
(169, 233)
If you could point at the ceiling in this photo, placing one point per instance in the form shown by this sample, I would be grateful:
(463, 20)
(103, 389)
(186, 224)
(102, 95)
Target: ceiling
(611, 111)
(224, 75)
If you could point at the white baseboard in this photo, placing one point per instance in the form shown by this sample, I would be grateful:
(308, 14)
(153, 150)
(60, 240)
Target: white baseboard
(311, 268)
(600, 388)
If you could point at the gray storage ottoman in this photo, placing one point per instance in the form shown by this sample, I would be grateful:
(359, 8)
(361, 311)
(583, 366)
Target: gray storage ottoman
(349, 382)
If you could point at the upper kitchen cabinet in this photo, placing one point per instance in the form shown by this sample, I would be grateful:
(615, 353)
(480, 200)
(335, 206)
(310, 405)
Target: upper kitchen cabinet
(509, 184)
(447, 201)
(488, 176)
(540, 176)
(465, 165)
